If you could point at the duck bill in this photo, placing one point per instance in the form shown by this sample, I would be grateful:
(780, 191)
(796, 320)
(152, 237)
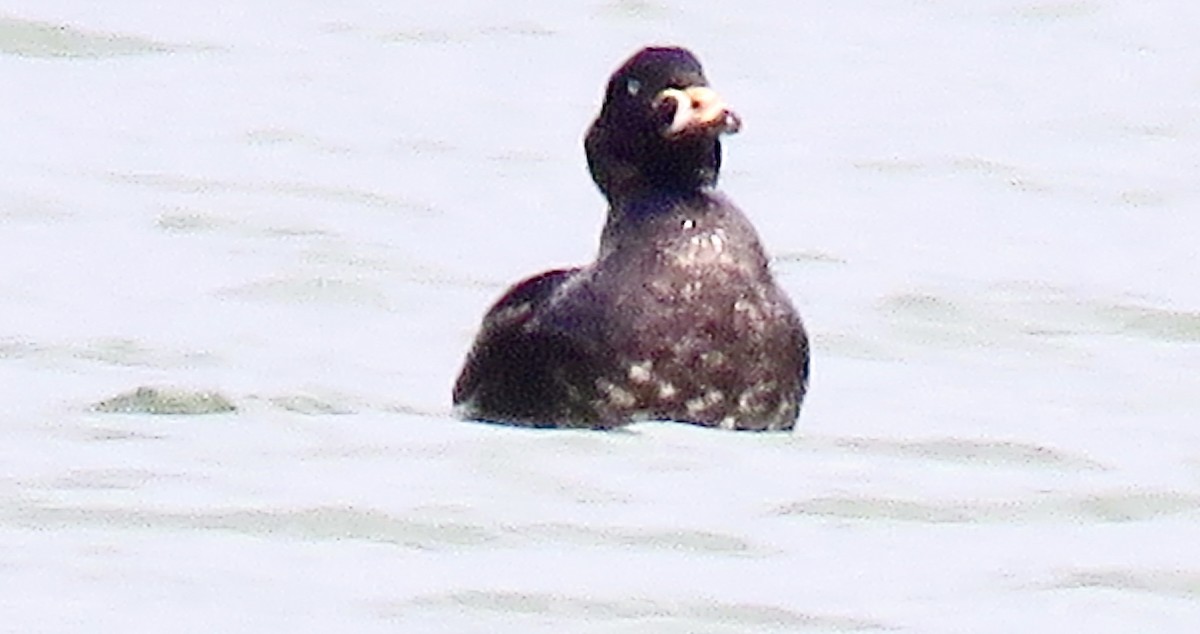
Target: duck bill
(697, 109)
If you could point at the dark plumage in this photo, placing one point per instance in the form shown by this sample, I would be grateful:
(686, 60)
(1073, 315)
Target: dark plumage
(678, 318)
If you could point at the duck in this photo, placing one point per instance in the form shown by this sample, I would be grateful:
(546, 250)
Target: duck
(679, 317)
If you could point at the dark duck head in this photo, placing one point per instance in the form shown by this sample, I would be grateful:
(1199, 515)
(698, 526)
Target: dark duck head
(658, 130)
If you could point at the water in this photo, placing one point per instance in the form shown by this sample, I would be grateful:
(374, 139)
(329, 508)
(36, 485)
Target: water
(985, 212)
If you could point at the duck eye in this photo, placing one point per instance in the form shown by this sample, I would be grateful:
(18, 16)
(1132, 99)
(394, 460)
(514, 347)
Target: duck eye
(634, 87)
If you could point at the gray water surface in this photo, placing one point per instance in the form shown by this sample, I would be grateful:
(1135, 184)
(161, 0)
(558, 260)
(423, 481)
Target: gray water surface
(247, 244)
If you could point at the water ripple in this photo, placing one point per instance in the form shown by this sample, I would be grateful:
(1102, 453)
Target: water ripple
(349, 195)
(674, 540)
(1170, 583)
(1019, 313)
(166, 401)
(324, 523)
(979, 452)
(702, 614)
(30, 38)
(1122, 506)
(418, 530)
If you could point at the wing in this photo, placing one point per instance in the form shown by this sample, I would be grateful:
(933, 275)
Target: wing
(520, 373)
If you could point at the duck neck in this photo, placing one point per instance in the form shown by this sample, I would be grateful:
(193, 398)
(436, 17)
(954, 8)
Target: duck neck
(660, 213)
(627, 168)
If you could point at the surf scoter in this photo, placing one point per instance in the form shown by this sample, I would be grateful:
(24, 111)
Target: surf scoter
(679, 317)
